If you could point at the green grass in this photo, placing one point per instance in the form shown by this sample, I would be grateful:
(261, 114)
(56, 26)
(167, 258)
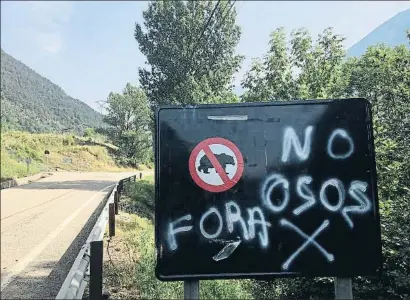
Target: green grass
(12, 168)
(141, 200)
(132, 273)
(17, 146)
(136, 274)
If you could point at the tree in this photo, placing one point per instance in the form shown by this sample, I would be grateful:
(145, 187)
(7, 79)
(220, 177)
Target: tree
(129, 115)
(381, 75)
(301, 70)
(190, 59)
(89, 132)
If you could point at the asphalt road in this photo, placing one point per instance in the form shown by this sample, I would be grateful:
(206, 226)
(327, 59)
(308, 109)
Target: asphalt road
(43, 226)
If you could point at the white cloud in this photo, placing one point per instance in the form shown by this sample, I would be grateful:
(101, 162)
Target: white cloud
(47, 19)
(51, 42)
(51, 12)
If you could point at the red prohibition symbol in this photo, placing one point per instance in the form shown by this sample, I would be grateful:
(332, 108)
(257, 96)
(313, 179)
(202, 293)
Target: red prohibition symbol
(216, 164)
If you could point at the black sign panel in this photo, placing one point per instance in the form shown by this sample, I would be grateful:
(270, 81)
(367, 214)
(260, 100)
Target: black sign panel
(266, 189)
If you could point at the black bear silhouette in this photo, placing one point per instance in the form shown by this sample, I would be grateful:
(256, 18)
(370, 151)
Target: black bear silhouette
(223, 158)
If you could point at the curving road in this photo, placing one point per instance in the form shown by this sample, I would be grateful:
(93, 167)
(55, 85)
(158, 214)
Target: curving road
(43, 226)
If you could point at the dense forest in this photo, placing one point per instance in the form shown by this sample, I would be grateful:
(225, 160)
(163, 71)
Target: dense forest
(32, 103)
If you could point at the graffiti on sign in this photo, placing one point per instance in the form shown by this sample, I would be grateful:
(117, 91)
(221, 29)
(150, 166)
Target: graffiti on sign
(283, 196)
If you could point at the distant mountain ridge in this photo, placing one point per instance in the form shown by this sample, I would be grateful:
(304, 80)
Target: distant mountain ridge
(30, 102)
(392, 32)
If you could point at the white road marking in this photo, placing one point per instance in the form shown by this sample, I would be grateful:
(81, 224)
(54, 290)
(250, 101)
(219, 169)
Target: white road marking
(23, 263)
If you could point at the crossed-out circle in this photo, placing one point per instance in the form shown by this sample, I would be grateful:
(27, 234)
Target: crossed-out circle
(207, 170)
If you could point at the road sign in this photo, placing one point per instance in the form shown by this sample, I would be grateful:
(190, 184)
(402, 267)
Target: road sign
(28, 162)
(266, 189)
(216, 164)
(67, 160)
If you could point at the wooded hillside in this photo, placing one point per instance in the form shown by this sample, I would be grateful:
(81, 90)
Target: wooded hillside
(33, 103)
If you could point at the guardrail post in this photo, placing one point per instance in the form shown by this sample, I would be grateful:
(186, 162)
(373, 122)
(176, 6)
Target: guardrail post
(119, 189)
(127, 186)
(96, 270)
(116, 207)
(115, 203)
(111, 219)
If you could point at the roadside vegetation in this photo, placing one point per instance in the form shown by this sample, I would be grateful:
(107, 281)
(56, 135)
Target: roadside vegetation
(67, 153)
(130, 255)
(295, 66)
(188, 63)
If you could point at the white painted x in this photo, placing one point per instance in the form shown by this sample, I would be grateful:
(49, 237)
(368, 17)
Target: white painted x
(309, 240)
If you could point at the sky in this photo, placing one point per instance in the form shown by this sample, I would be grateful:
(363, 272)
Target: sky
(88, 47)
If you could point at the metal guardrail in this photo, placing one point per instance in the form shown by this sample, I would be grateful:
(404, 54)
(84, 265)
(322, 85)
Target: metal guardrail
(86, 260)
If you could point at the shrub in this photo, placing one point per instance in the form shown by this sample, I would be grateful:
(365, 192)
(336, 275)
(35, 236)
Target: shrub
(89, 132)
(141, 238)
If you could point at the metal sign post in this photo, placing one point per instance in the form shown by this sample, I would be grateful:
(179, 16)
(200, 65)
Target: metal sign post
(191, 289)
(343, 288)
(46, 154)
(28, 162)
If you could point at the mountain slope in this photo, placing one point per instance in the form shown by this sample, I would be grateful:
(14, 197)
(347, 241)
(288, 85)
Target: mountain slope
(30, 102)
(392, 32)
